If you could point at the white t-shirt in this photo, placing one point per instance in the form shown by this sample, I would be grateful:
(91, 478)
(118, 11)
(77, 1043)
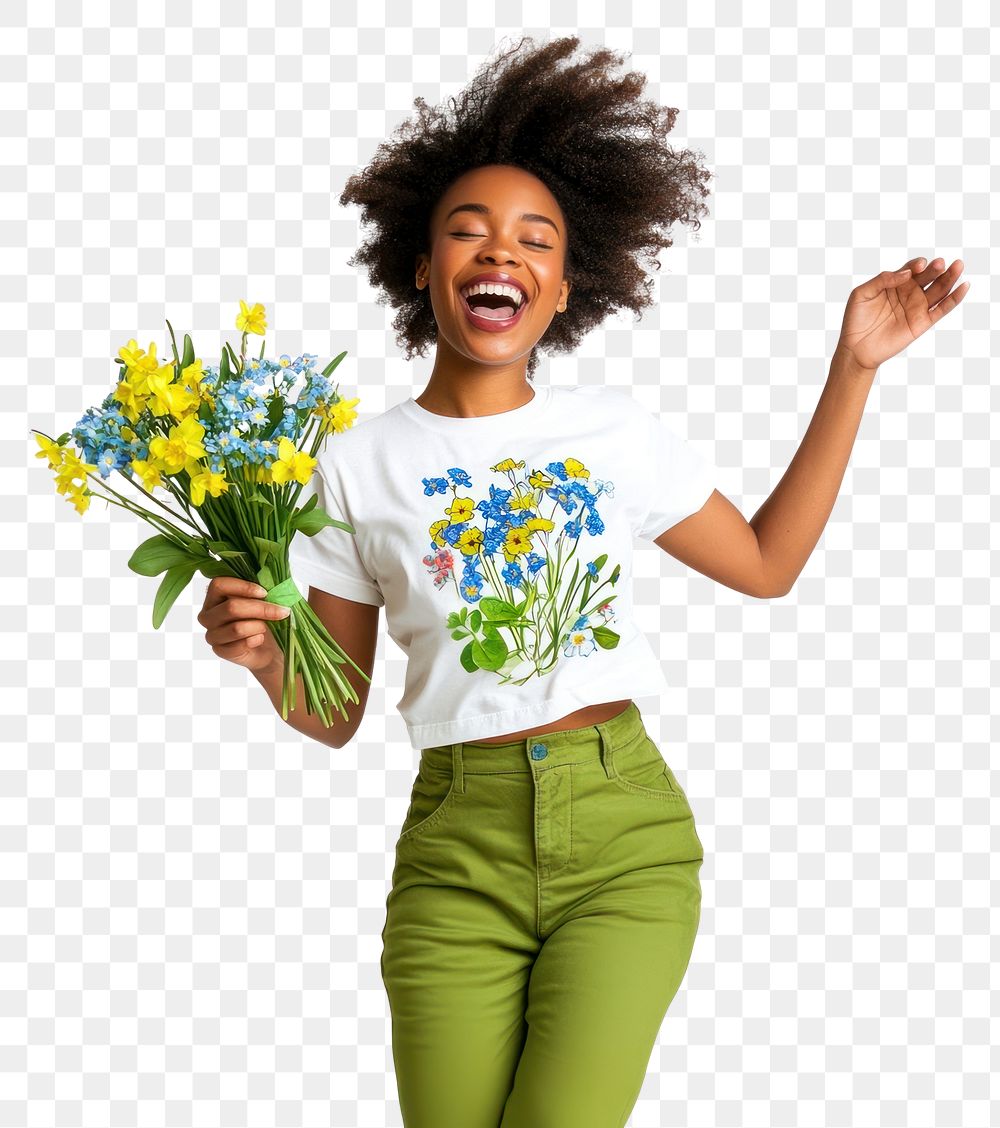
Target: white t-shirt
(459, 522)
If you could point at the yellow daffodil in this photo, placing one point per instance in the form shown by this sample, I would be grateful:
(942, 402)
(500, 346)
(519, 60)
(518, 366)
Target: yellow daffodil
(251, 319)
(148, 474)
(338, 416)
(291, 464)
(183, 443)
(206, 481)
(50, 450)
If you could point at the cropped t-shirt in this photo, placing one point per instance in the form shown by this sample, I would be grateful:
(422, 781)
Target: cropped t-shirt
(501, 548)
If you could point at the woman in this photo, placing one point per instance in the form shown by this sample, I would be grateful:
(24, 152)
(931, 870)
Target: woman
(546, 894)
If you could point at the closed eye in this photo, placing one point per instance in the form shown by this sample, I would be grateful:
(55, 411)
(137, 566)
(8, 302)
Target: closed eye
(473, 235)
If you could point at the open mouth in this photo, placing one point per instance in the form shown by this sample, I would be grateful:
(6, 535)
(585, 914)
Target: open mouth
(494, 312)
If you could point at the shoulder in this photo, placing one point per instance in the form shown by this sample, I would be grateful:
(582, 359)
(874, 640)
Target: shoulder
(355, 444)
(612, 404)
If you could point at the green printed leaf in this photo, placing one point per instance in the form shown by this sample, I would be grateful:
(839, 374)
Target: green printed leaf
(606, 638)
(498, 609)
(475, 619)
(490, 654)
(468, 663)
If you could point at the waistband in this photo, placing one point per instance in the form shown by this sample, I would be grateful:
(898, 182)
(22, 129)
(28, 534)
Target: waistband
(532, 753)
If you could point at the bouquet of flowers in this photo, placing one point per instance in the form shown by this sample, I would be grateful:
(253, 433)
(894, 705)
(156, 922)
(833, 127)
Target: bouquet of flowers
(230, 449)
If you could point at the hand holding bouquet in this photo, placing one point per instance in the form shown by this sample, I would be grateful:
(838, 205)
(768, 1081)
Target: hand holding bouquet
(230, 450)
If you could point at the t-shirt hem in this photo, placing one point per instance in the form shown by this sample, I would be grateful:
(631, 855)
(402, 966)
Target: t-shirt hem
(463, 729)
(335, 584)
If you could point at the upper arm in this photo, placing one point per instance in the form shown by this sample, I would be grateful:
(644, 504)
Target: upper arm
(718, 542)
(354, 626)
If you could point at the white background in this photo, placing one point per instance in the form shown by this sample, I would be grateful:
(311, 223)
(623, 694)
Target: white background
(192, 893)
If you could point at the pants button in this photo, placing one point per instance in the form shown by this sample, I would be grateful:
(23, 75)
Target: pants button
(539, 751)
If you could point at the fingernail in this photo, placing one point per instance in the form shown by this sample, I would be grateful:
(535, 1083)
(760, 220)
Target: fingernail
(285, 611)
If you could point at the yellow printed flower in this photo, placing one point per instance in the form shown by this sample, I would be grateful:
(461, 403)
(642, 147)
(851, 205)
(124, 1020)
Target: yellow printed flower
(470, 542)
(575, 468)
(205, 481)
(291, 464)
(522, 501)
(508, 464)
(539, 525)
(251, 319)
(461, 509)
(540, 480)
(517, 542)
(435, 532)
(184, 443)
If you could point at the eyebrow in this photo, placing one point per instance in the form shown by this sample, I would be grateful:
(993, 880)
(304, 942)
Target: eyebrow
(482, 209)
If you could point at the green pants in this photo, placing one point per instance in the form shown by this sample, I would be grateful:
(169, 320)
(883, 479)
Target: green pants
(543, 909)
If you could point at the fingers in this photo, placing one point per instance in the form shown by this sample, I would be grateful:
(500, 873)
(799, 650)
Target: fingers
(221, 588)
(244, 627)
(941, 280)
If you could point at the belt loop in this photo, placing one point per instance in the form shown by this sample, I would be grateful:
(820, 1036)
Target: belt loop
(607, 752)
(456, 767)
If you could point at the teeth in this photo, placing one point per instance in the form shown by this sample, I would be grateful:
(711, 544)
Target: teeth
(494, 288)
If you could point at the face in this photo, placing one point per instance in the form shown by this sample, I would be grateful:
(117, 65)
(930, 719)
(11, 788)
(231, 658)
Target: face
(495, 219)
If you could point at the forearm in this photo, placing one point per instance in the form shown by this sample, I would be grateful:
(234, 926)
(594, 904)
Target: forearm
(338, 734)
(789, 524)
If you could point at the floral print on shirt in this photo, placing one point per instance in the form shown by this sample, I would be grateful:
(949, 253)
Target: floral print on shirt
(528, 610)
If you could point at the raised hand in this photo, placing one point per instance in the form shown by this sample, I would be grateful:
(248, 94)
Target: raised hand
(889, 311)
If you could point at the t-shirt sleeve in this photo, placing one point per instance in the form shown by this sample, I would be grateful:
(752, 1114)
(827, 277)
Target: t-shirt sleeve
(680, 478)
(330, 559)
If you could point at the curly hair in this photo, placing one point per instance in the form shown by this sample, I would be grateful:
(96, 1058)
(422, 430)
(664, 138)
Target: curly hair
(597, 146)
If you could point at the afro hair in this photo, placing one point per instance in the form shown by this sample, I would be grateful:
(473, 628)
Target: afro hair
(587, 135)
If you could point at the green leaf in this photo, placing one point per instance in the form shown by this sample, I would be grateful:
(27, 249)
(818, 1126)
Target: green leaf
(454, 620)
(310, 519)
(333, 363)
(159, 553)
(173, 341)
(188, 358)
(266, 549)
(174, 582)
(224, 371)
(212, 568)
(475, 619)
(459, 634)
(490, 654)
(605, 638)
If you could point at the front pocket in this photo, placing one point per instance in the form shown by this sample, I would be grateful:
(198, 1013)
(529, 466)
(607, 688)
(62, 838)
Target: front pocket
(433, 793)
(639, 768)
